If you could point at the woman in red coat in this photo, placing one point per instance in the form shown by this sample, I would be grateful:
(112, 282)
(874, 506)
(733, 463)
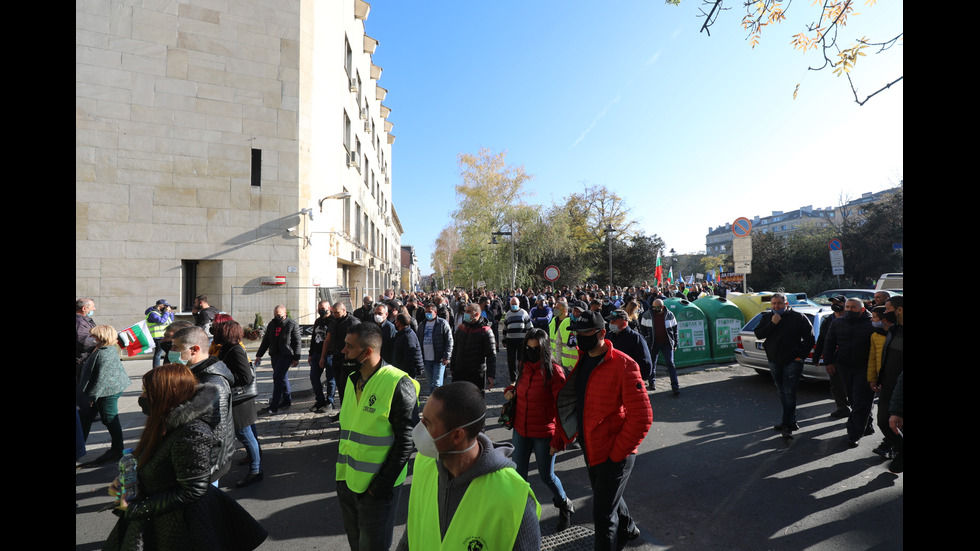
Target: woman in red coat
(538, 382)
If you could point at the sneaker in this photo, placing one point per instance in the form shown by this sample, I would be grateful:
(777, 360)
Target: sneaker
(676, 392)
(318, 407)
(851, 443)
(250, 478)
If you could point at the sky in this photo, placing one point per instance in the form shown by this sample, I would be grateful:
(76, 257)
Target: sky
(692, 131)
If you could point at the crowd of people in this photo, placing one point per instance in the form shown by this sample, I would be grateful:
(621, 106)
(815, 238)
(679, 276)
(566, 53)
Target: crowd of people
(580, 363)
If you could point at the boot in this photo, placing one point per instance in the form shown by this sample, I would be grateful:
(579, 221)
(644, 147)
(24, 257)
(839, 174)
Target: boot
(565, 510)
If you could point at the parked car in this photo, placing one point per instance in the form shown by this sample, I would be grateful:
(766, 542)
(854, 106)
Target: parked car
(753, 303)
(823, 298)
(890, 281)
(751, 351)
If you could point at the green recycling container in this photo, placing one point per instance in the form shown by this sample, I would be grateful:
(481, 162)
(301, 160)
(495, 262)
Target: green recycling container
(692, 334)
(724, 320)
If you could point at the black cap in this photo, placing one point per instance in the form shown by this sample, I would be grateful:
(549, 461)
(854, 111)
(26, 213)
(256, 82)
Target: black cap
(620, 314)
(588, 321)
(838, 298)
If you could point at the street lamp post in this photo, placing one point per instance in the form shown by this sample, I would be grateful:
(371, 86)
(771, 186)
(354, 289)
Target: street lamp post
(513, 263)
(609, 229)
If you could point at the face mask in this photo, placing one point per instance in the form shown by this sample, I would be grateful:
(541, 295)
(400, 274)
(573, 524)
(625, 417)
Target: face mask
(532, 354)
(851, 315)
(587, 343)
(781, 311)
(426, 444)
(322, 312)
(837, 307)
(89, 313)
(877, 324)
(144, 403)
(379, 318)
(430, 316)
(890, 317)
(166, 346)
(613, 328)
(467, 317)
(174, 358)
(515, 307)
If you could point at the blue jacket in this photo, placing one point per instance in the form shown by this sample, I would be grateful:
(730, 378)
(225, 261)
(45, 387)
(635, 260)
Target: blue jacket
(633, 344)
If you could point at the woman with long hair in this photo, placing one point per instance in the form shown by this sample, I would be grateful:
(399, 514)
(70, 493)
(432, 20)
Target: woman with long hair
(103, 380)
(176, 507)
(539, 379)
(228, 337)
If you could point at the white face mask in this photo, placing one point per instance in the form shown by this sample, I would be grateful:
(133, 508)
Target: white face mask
(426, 444)
(379, 318)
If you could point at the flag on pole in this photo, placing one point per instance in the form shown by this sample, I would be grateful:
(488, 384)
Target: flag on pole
(136, 339)
(659, 272)
(670, 275)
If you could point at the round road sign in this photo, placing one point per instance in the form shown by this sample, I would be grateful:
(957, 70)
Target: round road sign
(741, 227)
(551, 273)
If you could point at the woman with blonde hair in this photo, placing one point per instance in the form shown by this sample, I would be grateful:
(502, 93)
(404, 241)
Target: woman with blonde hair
(102, 381)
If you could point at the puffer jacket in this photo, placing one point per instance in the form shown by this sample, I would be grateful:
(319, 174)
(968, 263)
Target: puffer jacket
(849, 342)
(616, 415)
(536, 395)
(214, 372)
(176, 507)
(473, 350)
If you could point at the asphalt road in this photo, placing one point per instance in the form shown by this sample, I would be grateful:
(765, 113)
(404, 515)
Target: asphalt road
(711, 474)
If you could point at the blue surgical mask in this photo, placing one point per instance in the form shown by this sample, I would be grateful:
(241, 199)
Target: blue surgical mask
(515, 307)
(430, 316)
(467, 317)
(89, 313)
(174, 358)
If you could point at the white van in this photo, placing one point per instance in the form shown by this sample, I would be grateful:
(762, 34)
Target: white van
(889, 281)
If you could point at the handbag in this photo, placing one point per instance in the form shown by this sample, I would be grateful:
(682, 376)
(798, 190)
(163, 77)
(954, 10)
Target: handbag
(508, 413)
(243, 393)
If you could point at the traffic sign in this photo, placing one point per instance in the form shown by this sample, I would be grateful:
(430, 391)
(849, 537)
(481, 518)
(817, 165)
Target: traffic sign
(835, 245)
(551, 273)
(837, 258)
(741, 227)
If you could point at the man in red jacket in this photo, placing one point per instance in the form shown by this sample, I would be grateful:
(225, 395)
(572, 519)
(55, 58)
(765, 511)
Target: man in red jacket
(610, 421)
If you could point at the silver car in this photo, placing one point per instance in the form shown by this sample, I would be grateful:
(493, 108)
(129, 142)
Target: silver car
(750, 351)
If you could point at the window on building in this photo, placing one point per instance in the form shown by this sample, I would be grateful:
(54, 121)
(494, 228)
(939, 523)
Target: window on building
(256, 167)
(347, 132)
(348, 58)
(357, 222)
(346, 213)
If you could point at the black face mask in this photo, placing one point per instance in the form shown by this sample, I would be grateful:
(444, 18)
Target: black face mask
(587, 343)
(166, 346)
(144, 403)
(837, 307)
(322, 312)
(532, 354)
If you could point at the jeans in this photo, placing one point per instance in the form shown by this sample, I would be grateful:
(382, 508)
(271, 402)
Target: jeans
(315, 372)
(787, 378)
(513, 347)
(609, 512)
(668, 351)
(108, 410)
(159, 354)
(247, 437)
(434, 370)
(523, 446)
(281, 396)
(369, 520)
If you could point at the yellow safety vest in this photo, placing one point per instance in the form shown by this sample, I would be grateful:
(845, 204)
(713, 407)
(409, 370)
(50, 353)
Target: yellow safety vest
(488, 517)
(366, 435)
(157, 330)
(566, 355)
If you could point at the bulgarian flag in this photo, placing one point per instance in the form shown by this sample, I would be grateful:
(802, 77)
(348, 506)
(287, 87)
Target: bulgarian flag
(136, 339)
(670, 275)
(659, 273)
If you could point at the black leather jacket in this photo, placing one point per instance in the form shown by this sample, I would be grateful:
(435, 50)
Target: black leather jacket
(213, 371)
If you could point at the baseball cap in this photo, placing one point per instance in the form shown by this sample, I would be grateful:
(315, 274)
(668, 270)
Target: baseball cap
(588, 321)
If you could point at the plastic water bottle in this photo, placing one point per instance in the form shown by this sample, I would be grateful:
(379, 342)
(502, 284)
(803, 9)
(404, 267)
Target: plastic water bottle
(127, 475)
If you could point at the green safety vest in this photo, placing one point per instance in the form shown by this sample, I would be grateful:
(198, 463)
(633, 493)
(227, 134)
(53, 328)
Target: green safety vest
(365, 432)
(488, 517)
(564, 354)
(157, 330)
